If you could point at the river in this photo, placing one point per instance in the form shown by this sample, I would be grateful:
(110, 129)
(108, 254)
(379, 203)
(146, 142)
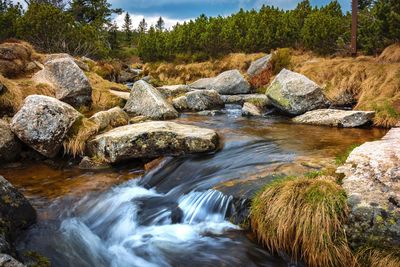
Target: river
(172, 214)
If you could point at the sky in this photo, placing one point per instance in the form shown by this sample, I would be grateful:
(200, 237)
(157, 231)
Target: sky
(174, 11)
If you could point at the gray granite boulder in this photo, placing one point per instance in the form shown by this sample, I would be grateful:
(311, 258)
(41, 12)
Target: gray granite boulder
(257, 66)
(372, 183)
(43, 122)
(69, 81)
(173, 90)
(8, 261)
(261, 99)
(113, 117)
(336, 117)
(203, 83)
(295, 94)
(10, 148)
(150, 140)
(145, 100)
(199, 100)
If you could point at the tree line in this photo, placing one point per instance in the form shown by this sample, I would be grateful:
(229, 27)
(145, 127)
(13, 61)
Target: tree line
(85, 27)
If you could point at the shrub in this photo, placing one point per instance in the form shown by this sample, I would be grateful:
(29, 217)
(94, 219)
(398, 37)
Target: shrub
(303, 217)
(281, 59)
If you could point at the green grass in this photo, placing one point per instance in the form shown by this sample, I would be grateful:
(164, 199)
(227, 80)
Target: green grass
(342, 157)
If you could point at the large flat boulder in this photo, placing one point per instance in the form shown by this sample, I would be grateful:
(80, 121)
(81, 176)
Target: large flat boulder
(43, 122)
(257, 66)
(9, 145)
(295, 94)
(199, 100)
(150, 140)
(70, 83)
(174, 90)
(336, 117)
(230, 82)
(145, 100)
(372, 183)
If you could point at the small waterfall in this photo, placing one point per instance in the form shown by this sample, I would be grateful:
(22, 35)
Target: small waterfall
(210, 206)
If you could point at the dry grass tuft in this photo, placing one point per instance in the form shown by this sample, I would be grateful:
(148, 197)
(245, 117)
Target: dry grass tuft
(391, 54)
(102, 98)
(376, 86)
(303, 217)
(82, 130)
(171, 73)
(109, 70)
(378, 257)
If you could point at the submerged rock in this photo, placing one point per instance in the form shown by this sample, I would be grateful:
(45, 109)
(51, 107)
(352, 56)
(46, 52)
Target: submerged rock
(43, 122)
(230, 82)
(295, 94)
(150, 140)
(250, 109)
(113, 117)
(199, 100)
(69, 81)
(335, 117)
(372, 183)
(10, 148)
(257, 66)
(173, 90)
(145, 100)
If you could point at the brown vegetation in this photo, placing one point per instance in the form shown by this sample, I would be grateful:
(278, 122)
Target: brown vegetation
(378, 257)
(391, 54)
(304, 217)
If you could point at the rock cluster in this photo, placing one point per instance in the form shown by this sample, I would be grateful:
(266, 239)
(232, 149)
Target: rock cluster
(199, 100)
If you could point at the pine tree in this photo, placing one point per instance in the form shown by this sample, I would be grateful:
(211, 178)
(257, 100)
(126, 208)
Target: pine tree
(127, 27)
(160, 24)
(142, 26)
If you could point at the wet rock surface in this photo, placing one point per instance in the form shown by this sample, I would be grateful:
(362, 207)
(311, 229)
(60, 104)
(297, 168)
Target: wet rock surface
(295, 94)
(335, 117)
(250, 109)
(43, 122)
(151, 140)
(145, 100)
(70, 83)
(372, 183)
(10, 148)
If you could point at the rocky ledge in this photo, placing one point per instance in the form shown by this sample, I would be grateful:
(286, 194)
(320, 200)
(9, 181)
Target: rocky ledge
(335, 117)
(151, 140)
(372, 183)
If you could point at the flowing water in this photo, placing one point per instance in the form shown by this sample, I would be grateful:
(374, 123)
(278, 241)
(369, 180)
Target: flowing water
(171, 215)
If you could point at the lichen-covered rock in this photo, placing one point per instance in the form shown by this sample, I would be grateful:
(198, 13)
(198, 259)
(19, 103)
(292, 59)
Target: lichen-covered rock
(16, 212)
(69, 81)
(335, 117)
(43, 122)
(145, 100)
(372, 183)
(10, 148)
(250, 109)
(199, 100)
(295, 94)
(8, 261)
(230, 82)
(114, 117)
(173, 90)
(257, 66)
(262, 99)
(150, 140)
(202, 83)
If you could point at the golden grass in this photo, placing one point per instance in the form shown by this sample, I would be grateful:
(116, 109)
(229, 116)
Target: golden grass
(378, 257)
(303, 217)
(376, 86)
(391, 54)
(82, 130)
(102, 98)
(171, 73)
(13, 97)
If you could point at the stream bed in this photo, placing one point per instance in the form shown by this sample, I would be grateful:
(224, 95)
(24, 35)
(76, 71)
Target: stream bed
(172, 214)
